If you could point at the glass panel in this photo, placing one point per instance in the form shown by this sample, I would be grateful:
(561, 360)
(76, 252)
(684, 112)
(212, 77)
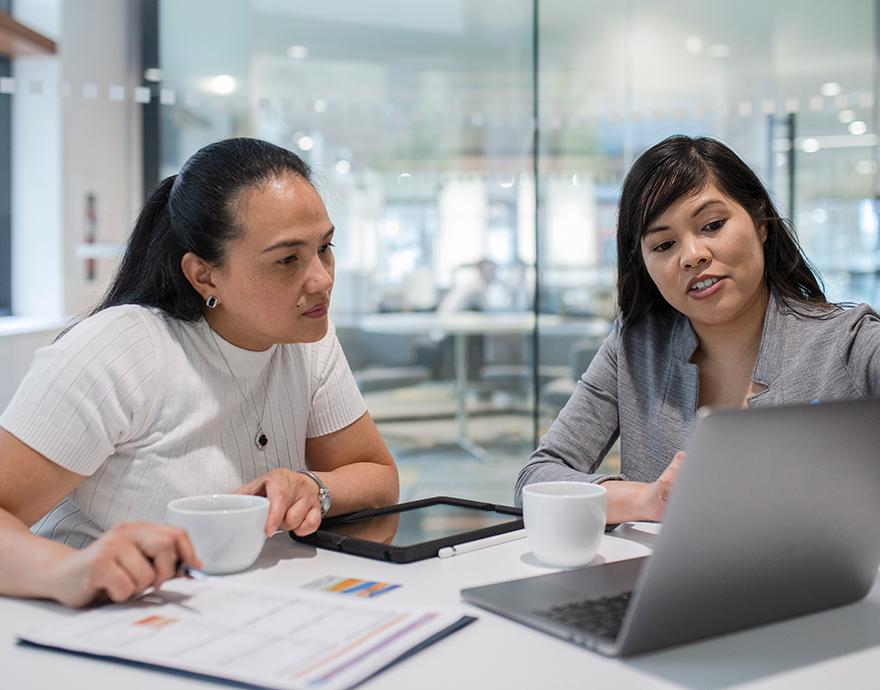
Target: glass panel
(831, 67)
(417, 121)
(790, 90)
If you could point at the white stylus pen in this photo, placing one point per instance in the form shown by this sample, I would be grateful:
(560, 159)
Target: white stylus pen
(468, 546)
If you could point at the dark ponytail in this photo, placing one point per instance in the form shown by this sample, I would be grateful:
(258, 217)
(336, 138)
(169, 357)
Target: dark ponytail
(193, 211)
(150, 269)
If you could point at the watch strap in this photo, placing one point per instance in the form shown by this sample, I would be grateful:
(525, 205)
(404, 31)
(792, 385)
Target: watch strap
(323, 491)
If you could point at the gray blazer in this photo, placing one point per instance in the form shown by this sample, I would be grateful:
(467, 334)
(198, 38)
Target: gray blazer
(642, 387)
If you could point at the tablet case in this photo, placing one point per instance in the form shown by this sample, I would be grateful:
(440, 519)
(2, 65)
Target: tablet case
(414, 552)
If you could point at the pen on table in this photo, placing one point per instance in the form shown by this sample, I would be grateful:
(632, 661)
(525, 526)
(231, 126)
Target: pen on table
(468, 546)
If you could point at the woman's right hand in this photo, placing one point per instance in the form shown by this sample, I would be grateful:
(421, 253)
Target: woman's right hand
(654, 497)
(125, 561)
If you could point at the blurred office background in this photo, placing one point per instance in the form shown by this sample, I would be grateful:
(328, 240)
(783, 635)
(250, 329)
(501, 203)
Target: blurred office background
(443, 135)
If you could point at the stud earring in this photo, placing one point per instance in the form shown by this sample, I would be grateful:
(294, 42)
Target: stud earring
(212, 302)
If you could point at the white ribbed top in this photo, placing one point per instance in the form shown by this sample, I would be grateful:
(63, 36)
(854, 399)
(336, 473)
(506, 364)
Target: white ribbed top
(144, 406)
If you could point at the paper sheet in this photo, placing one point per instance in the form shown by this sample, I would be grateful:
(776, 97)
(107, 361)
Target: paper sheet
(275, 638)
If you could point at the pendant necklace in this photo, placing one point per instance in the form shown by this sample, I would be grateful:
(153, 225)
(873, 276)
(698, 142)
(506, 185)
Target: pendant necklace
(261, 439)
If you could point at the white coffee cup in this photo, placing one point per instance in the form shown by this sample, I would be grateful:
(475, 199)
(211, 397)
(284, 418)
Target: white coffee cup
(226, 530)
(564, 521)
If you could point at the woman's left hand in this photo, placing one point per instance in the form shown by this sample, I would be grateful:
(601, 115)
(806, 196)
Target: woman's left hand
(293, 501)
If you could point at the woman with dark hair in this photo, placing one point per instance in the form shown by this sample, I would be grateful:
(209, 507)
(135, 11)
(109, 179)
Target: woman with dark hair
(718, 307)
(209, 367)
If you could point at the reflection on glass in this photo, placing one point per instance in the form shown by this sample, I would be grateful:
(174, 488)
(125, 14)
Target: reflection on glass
(381, 528)
(419, 525)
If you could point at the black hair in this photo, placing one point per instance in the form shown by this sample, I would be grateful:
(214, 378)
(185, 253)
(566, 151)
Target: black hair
(681, 166)
(193, 211)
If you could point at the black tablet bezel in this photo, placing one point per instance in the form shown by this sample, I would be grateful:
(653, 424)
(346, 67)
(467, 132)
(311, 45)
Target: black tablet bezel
(413, 552)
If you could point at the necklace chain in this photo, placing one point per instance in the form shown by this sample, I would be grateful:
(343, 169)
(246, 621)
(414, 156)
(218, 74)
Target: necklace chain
(261, 440)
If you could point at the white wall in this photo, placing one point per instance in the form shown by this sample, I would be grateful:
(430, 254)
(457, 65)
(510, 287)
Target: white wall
(69, 140)
(37, 240)
(100, 138)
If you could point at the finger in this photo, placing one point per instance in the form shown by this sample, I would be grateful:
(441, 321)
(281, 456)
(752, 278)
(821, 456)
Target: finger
(153, 538)
(117, 583)
(310, 523)
(186, 552)
(672, 468)
(296, 513)
(160, 544)
(280, 502)
(165, 566)
(136, 565)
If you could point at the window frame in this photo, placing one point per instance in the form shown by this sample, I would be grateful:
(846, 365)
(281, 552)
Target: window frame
(5, 184)
(5, 194)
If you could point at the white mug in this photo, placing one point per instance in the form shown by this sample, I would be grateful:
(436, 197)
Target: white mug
(226, 530)
(564, 521)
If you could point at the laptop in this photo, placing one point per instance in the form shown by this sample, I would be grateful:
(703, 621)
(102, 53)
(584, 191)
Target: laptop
(775, 514)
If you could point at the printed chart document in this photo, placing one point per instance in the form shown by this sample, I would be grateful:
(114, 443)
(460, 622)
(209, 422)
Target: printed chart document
(267, 637)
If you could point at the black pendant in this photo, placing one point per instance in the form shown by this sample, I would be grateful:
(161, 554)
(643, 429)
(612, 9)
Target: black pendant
(261, 440)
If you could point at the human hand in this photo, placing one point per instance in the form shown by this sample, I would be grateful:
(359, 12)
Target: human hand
(654, 497)
(293, 501)
(122, 563)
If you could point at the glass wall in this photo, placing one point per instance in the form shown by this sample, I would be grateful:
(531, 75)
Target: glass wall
(417, 119)
(475, 271)
(789, 86)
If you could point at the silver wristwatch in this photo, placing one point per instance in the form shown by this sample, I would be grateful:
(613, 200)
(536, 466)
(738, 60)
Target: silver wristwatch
(323, 492)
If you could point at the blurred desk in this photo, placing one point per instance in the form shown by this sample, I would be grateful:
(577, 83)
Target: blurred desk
(463, 325)
(839, 648)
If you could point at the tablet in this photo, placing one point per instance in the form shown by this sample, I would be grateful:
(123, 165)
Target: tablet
(409, 532)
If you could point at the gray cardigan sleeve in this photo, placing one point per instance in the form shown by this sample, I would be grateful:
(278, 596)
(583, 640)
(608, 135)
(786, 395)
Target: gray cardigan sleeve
(586, 428)
(861, 350)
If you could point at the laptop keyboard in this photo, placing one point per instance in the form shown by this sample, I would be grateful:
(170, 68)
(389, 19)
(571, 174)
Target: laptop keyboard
(600, 617)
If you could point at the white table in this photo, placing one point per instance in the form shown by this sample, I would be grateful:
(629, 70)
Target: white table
(461, 326)
(833, 649)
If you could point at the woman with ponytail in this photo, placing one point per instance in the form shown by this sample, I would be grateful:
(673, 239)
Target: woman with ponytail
(209, 367)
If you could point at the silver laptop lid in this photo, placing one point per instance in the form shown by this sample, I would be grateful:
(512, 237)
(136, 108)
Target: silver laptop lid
(776, 513)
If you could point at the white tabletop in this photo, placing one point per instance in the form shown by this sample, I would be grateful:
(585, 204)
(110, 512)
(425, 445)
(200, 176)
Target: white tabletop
(837, 648)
